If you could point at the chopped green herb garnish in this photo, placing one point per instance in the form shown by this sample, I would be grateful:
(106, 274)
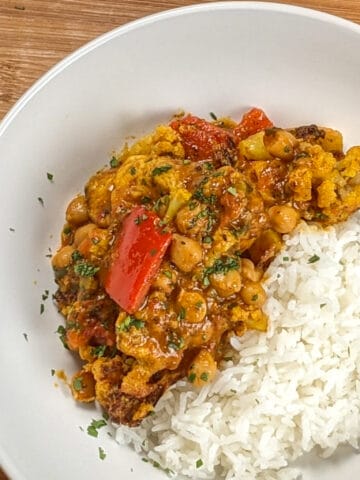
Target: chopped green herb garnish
(232, 191)
(50, 177)
(313, 259)
(45, 295)
(213, 116)
(93, 428)
(160, 170)
(132, 170)
(192, 377)
(320, 216)
(52, 372)
(175, 342)
(85, 269)
(67, 230)
(186, 162)
(98, 351)
(207, 239)
(153, 252)
(25, 335)
(168, 274)
(204, 376)
(182, 313)
(254, 297)
(130, 322)
(62, 335)
(105, 416)
(12, 229)
(322, 305)
(42, 308)
(286, 259)
(141, 218)
(221, 265)
(76, 256)
(41, 201)
(209, 166)
(199, 304)
(78, 384)
(102, 454)
(114, 162)
(199, 463)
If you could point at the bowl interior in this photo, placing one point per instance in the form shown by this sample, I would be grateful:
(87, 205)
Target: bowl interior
(299, 66)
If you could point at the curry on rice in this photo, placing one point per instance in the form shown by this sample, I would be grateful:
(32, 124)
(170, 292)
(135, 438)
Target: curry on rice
(162, 257)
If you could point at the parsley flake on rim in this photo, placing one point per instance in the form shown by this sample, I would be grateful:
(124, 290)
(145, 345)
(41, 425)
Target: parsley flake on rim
(50, 177)
(102, 454)
(314, 258)
(95, 425)
(160, 170)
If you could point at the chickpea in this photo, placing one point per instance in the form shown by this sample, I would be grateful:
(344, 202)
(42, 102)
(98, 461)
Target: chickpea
(165, 281)
(280, 143)
(191, 307)
(253, 294)
(82, 232)
(77, 211)
(226, 284)
(203, 369)
(63, 258)
(249, 272)
(83, 387)
(283, 219)
(185, 252)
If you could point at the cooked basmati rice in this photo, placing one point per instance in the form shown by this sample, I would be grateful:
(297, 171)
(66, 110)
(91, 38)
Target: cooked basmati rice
(283, 392)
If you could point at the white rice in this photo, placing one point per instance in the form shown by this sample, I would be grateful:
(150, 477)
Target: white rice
(283, 392)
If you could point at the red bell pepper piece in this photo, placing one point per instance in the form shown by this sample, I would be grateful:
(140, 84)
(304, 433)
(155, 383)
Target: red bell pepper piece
(136, 259)
(200, 138)
(252, 122)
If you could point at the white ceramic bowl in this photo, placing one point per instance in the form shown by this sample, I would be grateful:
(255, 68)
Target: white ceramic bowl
(300, 66)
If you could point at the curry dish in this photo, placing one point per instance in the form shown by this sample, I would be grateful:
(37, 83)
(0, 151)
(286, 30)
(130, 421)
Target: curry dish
(162, 257)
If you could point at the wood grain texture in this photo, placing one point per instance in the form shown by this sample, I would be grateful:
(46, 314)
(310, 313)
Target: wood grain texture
(36, 34)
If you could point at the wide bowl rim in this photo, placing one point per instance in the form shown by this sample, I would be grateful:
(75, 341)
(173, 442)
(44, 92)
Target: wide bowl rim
(5, 461)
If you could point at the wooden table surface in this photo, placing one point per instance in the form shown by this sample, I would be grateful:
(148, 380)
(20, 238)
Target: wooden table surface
(36, 34)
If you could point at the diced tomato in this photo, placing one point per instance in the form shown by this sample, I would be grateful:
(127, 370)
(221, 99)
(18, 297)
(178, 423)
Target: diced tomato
(202, 139)
(252, 122)
(136, 258)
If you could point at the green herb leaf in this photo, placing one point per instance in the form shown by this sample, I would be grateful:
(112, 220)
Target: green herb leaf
(98, 351)
(192, 377)
(132, 171)
(76, 256)
(12, 229)
(41, 201)
(160, 170)
(199, 463)
(213, 116)
(286, 259)
(232, 191)
(204, 376)
(93, 428)
(182, 313)
(145, 200)
(322, 305)
(62, 335)
(207, 239)
(52, 372)
(25, 335)
(42, 308)
(45, 295)
(50, 177)
(67, 230)
(313, 259)
(129, 322)
(102, 454)
(153, 252)
(114, 162)
(78, 384)
(168, 274)
(254, 297)
(85, 269)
